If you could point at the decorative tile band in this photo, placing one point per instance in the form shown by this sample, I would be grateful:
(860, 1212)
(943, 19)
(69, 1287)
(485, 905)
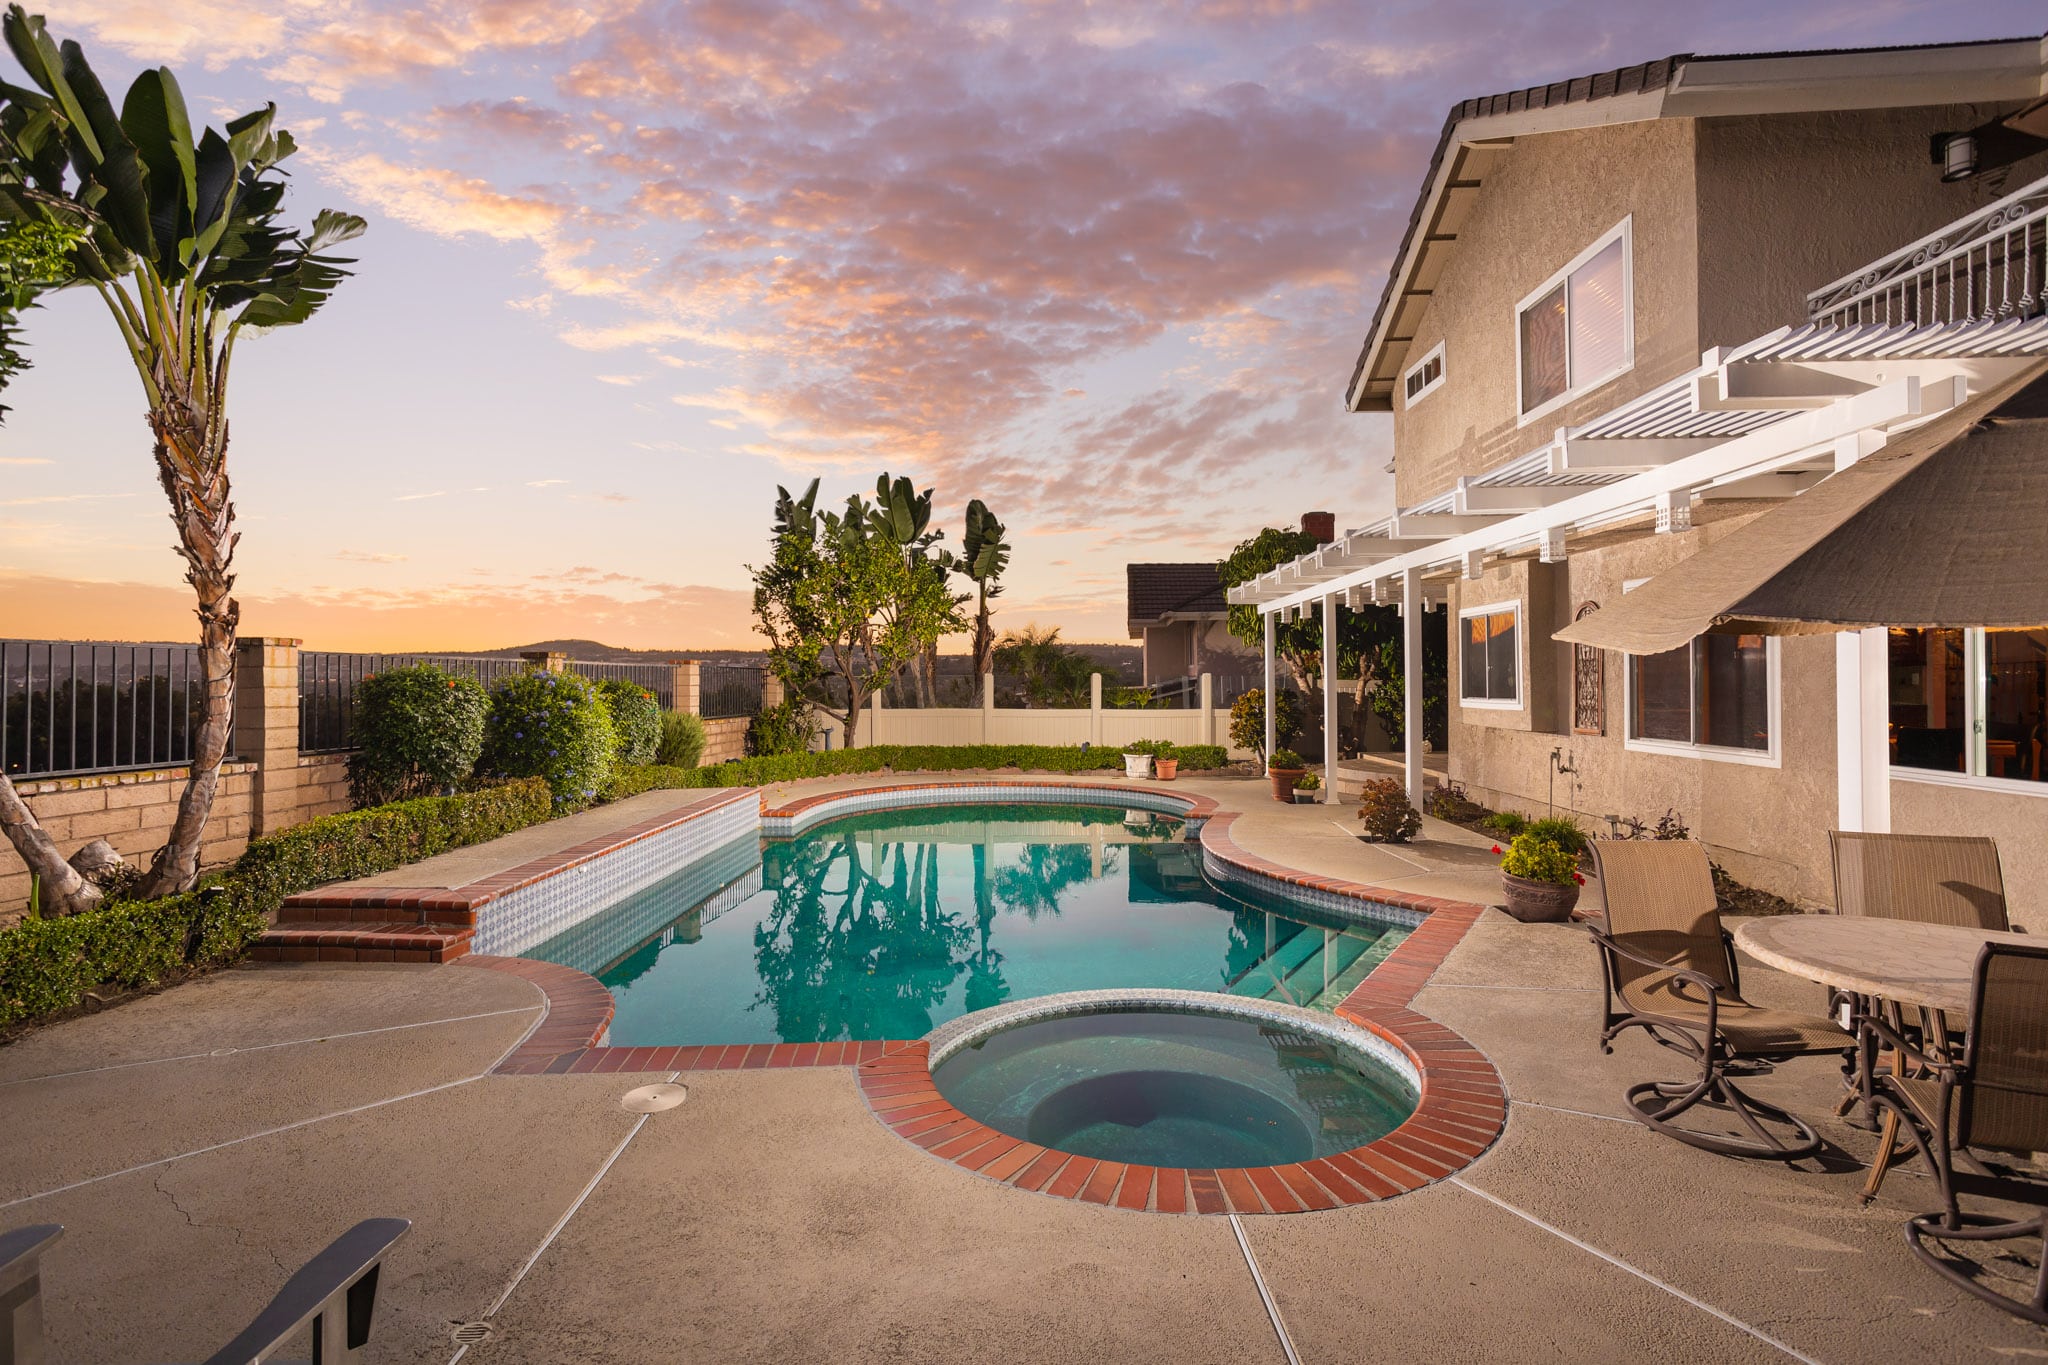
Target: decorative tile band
(971, 1029)
(792, 819)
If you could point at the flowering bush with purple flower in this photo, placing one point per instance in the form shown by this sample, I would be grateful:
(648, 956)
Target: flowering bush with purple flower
(553, 726)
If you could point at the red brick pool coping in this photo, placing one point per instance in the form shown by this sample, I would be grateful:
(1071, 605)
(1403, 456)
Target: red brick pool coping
(1199, 807)
(1459, 1114)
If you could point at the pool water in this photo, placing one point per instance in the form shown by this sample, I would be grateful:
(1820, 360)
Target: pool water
(889, 923)
(1167, 1088)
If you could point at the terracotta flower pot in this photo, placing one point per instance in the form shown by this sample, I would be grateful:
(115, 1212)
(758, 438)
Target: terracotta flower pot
(1538, 902)
(1283, 782)
(1165, 769)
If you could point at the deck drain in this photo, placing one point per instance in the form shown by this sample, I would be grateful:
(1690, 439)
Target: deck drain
(652, 1099)
(470, 1333)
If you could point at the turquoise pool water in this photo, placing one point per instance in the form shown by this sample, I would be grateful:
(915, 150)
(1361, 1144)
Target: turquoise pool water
(1167, 1088)
(889, 923)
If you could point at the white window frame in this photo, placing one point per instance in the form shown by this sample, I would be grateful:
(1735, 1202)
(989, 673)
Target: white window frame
(1774, 713)
(1976, 681)
(1435, 353)
(1520, 698)
(1625, 231)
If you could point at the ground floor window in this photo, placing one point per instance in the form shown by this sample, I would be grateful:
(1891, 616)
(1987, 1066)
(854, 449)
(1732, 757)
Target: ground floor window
(1489, 656)
(1712, 693)
(1715, 693)
(1970, 702)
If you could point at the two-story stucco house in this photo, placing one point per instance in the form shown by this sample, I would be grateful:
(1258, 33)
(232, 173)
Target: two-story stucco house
(1638, 312)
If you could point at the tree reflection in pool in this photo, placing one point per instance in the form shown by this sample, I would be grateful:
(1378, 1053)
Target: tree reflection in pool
(888, 923)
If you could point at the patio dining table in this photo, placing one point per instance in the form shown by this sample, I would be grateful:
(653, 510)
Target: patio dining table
(1902, 961)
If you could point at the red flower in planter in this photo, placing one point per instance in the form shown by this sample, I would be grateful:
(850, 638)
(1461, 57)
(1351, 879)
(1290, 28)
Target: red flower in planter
(1579, 877)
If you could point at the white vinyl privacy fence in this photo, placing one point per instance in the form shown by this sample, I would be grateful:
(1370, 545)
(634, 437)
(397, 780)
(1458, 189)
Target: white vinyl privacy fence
(1203, 723)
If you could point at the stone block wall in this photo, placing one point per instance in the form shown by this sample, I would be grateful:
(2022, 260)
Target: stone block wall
(723, 739)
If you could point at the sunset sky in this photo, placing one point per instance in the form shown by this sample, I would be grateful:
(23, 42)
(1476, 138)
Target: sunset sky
(631, 266)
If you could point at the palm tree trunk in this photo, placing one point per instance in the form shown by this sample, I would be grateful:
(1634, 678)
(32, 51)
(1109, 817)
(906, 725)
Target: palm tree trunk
(62, 890)
(191, 458)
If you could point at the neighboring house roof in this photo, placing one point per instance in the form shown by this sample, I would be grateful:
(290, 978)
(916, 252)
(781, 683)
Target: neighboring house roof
(1478, 132)
(1159, 591)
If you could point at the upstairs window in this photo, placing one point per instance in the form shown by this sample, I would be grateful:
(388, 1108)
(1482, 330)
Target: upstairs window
(1489, 656)
(1577, 330)
(1425, 376)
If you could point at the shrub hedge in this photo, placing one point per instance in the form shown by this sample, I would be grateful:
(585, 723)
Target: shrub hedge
(418, 729)
(48, 965)
(550, 725)
(902, 758)
(635, 717)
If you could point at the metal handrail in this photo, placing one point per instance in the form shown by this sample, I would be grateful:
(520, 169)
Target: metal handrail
(1985, 265)
(21, 1292)
(335, 1292)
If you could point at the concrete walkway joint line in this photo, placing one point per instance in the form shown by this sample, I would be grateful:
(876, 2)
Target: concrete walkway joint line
(1643, 1275)
(265, 1047)
(563, 1222)
(297, 1123)
(1251, 1263)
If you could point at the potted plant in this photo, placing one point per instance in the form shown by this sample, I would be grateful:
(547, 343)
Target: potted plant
(1308, 789)
(1165, 761)
(1283, 767)
(1540, 879)
(1138, 759)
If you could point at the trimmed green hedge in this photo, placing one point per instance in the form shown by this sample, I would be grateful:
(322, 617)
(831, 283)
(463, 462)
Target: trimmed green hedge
(48, 965)
(901, 758)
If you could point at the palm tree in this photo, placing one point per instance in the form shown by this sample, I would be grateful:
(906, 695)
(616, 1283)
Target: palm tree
(182, 241)
(984, 554)
(1051, 674)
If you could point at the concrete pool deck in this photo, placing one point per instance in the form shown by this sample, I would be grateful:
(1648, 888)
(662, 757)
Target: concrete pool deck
(200, 1143)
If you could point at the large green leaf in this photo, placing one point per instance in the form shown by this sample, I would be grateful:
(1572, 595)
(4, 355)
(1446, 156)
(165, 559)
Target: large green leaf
(38, 56)
(119, 168)
(983, 551)
(214, 173)
(154, 119)
(250, 139)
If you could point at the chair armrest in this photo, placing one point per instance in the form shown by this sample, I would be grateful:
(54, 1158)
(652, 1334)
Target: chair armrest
(336, 1291)
(1941, 1066)
(1700, 979)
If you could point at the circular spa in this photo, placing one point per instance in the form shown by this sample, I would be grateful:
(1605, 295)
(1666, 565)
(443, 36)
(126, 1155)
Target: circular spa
(1159, 1086)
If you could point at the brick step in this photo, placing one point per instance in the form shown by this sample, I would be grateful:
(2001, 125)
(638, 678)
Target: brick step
(383, 905)
(329, 941)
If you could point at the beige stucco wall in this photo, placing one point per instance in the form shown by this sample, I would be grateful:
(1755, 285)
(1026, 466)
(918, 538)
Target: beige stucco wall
(1180, 649)
(1551, 197)
(1791, 202)
(1767, 825)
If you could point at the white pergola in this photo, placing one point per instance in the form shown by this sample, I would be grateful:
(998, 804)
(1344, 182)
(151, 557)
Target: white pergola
(1765, 420)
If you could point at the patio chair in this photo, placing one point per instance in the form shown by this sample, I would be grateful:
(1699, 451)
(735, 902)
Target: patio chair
(1668, 967)
(1928, 878)
(1986, 1108)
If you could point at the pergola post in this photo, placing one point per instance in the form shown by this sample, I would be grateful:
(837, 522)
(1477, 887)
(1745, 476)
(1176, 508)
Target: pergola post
(1411, 683)
(1330, 700)
(1272, 704)
(1863, 787)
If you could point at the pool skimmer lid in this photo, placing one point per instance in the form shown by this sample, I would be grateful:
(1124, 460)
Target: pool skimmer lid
(653, 1099)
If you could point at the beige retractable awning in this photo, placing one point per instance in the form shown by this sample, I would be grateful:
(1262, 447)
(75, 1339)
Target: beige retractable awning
(1948, 526)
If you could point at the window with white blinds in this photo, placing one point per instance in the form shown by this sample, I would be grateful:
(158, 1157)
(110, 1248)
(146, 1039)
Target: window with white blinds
(1576, 330)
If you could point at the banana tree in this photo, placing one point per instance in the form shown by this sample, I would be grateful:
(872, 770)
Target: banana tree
(903, 515)
(984, 554)
(182, 240)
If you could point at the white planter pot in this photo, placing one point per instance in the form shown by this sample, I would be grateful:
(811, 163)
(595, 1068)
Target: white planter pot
(1137, 765)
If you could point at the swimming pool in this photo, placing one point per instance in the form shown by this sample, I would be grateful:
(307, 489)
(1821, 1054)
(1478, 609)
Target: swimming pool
(888, 923)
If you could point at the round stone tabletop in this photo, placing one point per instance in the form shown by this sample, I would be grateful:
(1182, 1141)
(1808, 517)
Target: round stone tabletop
(1898, 960)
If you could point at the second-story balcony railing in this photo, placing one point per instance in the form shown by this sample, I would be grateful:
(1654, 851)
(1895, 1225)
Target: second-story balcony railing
(1984, 267)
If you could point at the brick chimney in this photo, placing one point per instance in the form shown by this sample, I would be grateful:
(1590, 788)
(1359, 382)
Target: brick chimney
(1321, 525)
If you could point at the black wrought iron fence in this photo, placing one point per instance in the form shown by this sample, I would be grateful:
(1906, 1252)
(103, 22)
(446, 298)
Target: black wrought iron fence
(68, 709)
(656, 678)
(327, 686)
(726, 690)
